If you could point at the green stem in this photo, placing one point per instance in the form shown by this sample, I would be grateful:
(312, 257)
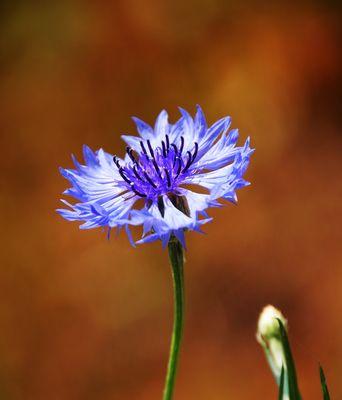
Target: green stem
(177, 260)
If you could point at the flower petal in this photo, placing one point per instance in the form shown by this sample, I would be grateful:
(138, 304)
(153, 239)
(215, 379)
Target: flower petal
(161, 127)
(144, 130)
(103, 196)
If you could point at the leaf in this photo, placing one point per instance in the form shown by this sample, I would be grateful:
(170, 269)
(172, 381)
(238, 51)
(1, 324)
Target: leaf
(281, 384)
(290, 366)
(325, 391)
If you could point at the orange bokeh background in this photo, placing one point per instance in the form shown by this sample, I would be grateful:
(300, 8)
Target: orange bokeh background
(86, 318)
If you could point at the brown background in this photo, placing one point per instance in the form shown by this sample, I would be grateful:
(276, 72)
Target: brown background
(84, 318)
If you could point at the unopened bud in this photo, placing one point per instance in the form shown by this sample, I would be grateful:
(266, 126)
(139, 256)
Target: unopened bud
(268, 325)
(269, 336)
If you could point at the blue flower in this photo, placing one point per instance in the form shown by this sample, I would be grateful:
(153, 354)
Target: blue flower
(177, 171)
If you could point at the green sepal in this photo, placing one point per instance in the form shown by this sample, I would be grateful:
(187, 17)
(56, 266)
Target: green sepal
(281, 383)
(294, 393)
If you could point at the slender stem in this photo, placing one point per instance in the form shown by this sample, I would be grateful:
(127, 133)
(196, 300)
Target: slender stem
(177, 260)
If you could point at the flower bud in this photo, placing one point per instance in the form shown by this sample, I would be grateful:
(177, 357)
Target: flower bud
(268, 325)
(268, 335)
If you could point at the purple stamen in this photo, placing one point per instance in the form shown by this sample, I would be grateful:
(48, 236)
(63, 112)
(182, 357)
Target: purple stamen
(188, 162)
(129, 151)
(143, 147)
(175, 148)
(156, 168)
(137, 192)
(195, 153)
(164, 149)
(150, 181)
(167, 177)
(191, 158)
(182, 145)
(124, 177)
(137, 174)
(180, 164)
(150, 148)
(116, 161)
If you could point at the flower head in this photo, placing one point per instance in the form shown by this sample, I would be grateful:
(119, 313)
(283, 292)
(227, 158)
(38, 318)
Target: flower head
(162, 167)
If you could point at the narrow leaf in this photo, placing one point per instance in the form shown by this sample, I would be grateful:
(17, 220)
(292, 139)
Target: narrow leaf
(325, 391)
(281, 383)
(290, 366)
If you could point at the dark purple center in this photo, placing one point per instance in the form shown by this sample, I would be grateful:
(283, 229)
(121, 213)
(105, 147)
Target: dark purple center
(154, 172)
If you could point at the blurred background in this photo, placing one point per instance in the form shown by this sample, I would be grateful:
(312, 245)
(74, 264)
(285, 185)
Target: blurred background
(86, 318)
